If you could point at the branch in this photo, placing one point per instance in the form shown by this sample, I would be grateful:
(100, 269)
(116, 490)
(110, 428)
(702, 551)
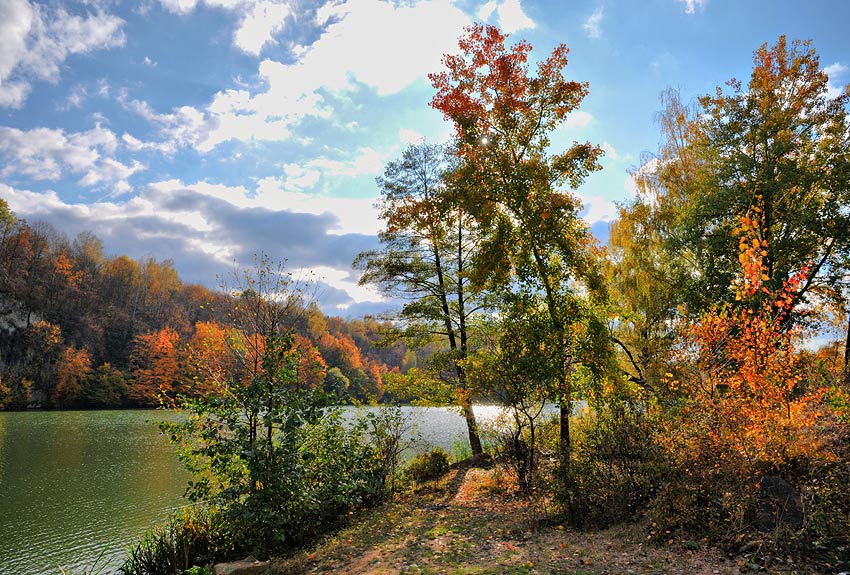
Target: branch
(640, 379)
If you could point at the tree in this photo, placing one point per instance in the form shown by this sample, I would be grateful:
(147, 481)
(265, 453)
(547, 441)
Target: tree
(777, 149)
(107, 387)
(428, 243)
(155, 367)
(641, 274)
(503, 116)
(746, 408)
(243, 442)
(73, 371)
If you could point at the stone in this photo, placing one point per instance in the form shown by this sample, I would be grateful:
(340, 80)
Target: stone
(247, 566)
(778, 504)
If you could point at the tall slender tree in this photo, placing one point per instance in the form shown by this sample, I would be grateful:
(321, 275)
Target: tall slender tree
(503, 116)
(428, 244)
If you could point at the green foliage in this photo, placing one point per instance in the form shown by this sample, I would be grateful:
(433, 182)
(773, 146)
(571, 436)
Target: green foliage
(617, 467)
(427, 466)
(427, 248)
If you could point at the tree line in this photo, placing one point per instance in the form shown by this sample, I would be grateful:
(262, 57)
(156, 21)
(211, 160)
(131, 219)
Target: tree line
(85, 330)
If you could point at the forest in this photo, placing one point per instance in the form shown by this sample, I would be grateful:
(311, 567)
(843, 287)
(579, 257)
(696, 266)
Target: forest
(85, 330)
(697, 362)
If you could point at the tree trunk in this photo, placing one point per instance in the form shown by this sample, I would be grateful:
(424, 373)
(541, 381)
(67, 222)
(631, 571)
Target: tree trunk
(564, 447)
(847, 356)
(472, 429)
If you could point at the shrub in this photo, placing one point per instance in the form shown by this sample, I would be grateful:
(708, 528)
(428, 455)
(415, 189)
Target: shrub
(617, 467)
(191, 537)
(426, 466)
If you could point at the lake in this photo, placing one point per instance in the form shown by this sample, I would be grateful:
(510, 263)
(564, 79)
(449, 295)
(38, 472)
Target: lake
(76, 483)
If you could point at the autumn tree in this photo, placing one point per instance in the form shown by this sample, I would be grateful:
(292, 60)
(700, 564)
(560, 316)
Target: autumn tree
(777, 147)
(642, 277)
(746, 407)
(155, 367)
(503, 116)
(426, 253)
(243, 443)
(73, 371)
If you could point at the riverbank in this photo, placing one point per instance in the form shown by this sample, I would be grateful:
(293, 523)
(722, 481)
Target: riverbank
(470, 523)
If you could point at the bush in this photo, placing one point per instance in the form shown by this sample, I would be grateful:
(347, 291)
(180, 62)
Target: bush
(426, 466)
(617, 467)
(191, 537)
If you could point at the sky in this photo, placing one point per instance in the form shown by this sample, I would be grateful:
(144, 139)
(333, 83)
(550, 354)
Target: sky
(207, 131)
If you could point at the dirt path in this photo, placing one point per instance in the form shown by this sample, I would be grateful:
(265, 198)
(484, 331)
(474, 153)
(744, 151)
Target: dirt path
(466, 524)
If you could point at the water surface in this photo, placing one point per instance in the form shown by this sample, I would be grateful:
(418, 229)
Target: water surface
(76, 483)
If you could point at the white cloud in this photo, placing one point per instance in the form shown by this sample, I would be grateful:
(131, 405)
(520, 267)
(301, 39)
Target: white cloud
(367, 161)
(598, 209)
(179, 6)
(833, 71)
(350, 53)
(48, 154)
(184, 126)
(692, 5)
(35, 40)
(350, 215)
(259, 26)
(591, 25)
(487, 10)
(342, 279)
(110, 170)
(578, 119)
(509, 15)
(259, 20)
(610, 151)
(408, 137)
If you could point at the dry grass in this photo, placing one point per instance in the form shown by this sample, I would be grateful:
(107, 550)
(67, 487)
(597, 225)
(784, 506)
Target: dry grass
(469, 523)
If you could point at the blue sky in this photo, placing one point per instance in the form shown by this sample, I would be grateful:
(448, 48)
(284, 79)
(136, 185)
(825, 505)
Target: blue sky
(208, 130)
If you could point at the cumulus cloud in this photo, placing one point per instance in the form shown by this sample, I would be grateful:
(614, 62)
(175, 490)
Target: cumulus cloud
(183, 126)
(833, 71)
(610, 151)
(578, 119)
(259, 21)
(259, 26)
(598, 209)
(350, 54)
(50, 154)
(591, 25)
(206, 227)
(410, 136)
(35, 40)
(509, 15)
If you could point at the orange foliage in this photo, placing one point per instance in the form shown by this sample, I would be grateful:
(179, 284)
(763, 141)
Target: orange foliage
(311, 367)
(65, 268)
(749, 400)
(154, 358)
(72, 371)
(210, 362)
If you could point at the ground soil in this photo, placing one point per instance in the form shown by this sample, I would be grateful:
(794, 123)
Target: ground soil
(471, 522)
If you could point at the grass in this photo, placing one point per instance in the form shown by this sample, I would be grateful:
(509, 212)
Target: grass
(469, 523)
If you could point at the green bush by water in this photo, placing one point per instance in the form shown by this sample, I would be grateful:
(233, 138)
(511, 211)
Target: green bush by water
(426, 466)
